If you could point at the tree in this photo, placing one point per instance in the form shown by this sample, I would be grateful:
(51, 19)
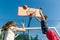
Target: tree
(0, 36)
(22, 37)
(36, 38)
(32, 38)
(26, 37)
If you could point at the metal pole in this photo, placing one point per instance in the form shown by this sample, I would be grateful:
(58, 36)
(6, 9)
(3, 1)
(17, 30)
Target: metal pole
(30, 17)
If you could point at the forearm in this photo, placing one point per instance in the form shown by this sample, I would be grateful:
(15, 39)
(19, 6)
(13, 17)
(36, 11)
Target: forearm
(20, 29)
(40, 11)
(38, 19)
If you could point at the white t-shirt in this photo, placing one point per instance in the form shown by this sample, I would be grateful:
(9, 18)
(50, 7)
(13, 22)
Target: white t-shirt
(10, 34)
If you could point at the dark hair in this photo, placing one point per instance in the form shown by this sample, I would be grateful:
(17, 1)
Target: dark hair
(41, 8)
(8, 25)
(45, 16)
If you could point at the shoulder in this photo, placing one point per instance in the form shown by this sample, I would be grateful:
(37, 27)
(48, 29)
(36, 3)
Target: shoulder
(13, 28)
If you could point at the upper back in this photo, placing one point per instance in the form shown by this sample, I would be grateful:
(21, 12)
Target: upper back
(9, 34)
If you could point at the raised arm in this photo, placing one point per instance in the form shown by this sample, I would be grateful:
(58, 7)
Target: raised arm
(42, 16)
(38, 19)
(20, 29)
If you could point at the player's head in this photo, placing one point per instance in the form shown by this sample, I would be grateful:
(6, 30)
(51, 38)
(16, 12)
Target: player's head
(45, 16)
(40, 8)
(8, 25)
(25, 7)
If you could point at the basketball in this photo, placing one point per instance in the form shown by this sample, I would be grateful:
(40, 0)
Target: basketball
(25, 7)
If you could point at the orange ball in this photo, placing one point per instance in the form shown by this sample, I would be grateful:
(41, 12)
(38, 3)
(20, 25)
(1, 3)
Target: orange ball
(25, 7)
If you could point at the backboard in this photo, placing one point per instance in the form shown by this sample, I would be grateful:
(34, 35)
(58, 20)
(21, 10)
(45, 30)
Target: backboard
(28, 11)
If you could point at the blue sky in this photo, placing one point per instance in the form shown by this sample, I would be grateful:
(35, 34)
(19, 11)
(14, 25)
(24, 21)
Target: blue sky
(9, 10)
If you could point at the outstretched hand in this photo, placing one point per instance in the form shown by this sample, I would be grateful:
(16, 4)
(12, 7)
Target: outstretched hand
(22, 24)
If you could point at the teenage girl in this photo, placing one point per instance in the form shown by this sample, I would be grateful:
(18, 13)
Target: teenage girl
(9, 30)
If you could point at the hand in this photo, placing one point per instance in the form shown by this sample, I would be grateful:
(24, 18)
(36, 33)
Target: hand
(22, 24)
